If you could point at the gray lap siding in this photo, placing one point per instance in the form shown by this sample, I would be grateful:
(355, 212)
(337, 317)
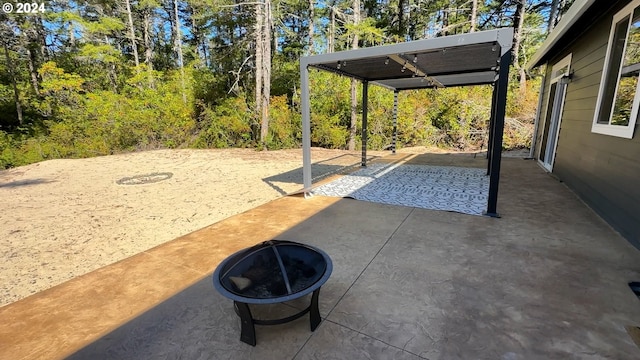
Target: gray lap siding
(603, 170)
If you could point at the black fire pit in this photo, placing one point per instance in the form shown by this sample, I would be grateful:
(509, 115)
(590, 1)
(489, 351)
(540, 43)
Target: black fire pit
(272, 272)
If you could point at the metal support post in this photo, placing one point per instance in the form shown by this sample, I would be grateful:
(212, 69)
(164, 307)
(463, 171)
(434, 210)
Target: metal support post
(395, 122)
(496, 141)
(365, 101)
(492, 125)
(306, 127)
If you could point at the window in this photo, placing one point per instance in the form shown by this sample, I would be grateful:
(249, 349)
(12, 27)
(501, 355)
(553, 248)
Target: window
(619, 95)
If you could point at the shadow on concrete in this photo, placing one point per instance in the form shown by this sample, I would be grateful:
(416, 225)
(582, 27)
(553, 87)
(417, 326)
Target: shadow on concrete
(199, 323)
(419, 284)
(27, 182)
(319, 170)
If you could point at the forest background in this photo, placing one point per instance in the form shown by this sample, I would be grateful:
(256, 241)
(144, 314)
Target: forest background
(87, 78)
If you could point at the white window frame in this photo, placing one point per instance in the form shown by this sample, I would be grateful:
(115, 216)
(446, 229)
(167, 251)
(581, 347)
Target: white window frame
(608, 129)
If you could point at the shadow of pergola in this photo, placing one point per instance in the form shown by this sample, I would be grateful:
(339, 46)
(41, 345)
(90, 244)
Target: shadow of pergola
(338, 165)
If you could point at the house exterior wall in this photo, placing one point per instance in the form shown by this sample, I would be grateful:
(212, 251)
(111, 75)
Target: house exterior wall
(603, 170)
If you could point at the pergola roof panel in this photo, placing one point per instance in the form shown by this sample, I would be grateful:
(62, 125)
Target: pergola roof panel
(457, 60)
(464, 58)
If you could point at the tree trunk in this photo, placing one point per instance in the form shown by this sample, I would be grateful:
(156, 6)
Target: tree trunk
(474, 15)
(562, 8)
(16, 93)
(312, 15)
(274, 46)
(42, 37)
(354, 92)
(354, 115)
(266, 73)
(148, 52)
(258, 34)
(445, 22)
(263, 38)
(29, 41)
(167, 6)
(198, 38)
(332, 31)
(72, 35)
(178, 47)
(33, 71)
(553, 11)
(411, 29)
(518, 21)
(205, 51)
(401, 24)
(195, 33)
(132, 35)
(113, 75)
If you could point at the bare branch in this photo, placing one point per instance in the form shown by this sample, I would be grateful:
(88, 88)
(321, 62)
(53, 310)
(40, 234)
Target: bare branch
(237, 74)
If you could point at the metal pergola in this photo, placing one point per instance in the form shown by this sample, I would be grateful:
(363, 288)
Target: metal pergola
(477, 58)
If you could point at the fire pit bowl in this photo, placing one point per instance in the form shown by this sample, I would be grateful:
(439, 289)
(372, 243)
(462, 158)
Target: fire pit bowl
(272, 272)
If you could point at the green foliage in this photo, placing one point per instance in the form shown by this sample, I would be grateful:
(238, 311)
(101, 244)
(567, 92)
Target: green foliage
(104, 26)
(81, 94)
(414, 123)
(330, 110)
(285, 124)
(7, 151)
(453, 118)
(141, 120)
(460, 116)
(327, 132)
(55, 81)
(100, 53)
(522, 103)
(207, 86)
(225, 125)
(285, 76)
(101, 122)
(380, 118)
(366, 30)
(61, 92)
(17, 149)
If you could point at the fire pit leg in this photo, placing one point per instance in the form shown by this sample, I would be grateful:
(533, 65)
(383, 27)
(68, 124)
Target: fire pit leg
(314, 311)
(248, 330)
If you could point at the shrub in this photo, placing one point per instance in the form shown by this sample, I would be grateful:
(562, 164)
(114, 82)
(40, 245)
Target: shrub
(285, 124)
(225, 125)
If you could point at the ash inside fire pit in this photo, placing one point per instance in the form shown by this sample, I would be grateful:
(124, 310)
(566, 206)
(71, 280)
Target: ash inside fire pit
(264, 278)
(272, 269)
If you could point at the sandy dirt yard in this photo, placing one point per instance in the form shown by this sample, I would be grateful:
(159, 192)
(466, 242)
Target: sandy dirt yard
(64, 218)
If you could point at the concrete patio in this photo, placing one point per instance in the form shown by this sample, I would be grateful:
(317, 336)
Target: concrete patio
(548, 280)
